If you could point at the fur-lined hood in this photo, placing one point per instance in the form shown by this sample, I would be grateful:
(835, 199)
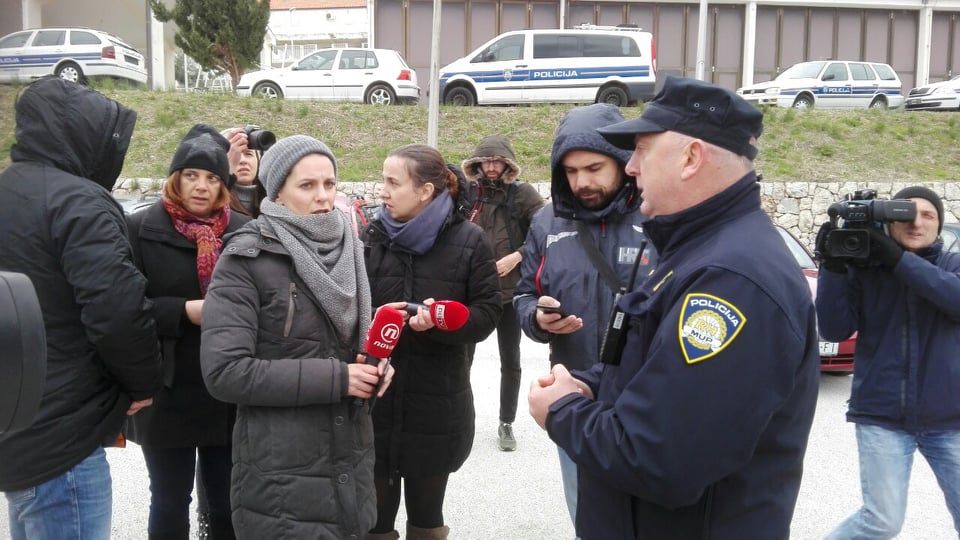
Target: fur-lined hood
(492, 147)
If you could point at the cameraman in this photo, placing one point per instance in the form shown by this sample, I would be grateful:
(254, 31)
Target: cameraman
(905, 304)
(246, 189)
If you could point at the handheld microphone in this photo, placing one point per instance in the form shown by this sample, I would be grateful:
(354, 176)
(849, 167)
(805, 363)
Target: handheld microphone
(448, 315)
(381, 339)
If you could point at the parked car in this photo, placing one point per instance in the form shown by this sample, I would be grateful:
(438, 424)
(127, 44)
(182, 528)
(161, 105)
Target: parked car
(938, 96)
(951, 237)
(834, 357)
(73, 54)
(375, 76)
(587, 64)
(830, 84)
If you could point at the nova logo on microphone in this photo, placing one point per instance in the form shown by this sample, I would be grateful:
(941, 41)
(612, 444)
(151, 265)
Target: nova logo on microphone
(388, 337)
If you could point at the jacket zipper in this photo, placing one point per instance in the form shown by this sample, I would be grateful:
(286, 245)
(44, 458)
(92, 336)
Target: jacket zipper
(291, 307)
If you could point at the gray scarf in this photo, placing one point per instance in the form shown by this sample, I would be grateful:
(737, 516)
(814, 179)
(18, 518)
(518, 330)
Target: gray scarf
(329, 258)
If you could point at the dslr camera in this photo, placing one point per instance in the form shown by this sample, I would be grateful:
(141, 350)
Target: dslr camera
(850, 241)
(259, 138)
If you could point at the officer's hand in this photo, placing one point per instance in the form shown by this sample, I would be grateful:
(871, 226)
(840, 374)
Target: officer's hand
(820, 247)
(884, 249)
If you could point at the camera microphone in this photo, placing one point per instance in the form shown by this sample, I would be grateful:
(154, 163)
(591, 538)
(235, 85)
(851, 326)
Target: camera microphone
(381, 339)
(447, 315)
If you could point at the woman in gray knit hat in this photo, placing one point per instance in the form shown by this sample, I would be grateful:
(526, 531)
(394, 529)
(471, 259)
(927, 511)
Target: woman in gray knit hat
(287, 310)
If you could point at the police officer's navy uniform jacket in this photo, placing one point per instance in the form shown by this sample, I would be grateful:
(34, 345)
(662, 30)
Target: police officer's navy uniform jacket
(905, 372)
(554, 262)
(700, 432)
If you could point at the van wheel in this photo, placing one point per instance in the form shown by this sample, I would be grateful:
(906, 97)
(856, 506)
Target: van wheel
(459, 96)
(69, 71)
(878, 103)
(614, 95)
(381, 94)
(803, 102)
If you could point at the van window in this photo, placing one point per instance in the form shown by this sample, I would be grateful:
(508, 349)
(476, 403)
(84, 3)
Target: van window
(16, 40)
(610, 46)
(83, 38)
(835, 72)
(46, 38)
(508, 48)
(885, 72)
(861, 72)
(574, 46)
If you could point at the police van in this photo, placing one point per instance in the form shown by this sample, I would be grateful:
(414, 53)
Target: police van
(604, 64)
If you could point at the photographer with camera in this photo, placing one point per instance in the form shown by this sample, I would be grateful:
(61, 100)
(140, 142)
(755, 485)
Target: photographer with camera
(247, 145)
(903, 299)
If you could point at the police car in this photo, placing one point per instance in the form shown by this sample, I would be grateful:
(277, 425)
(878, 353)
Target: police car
(830, 84)
(69, 53)
(587, 64)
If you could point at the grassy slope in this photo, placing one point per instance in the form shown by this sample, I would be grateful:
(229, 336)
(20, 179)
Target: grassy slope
(806, 146)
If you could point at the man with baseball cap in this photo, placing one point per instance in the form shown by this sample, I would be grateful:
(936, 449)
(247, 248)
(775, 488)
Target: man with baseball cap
(700, 430)
(905, 305)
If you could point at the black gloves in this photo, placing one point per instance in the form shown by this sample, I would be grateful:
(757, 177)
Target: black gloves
(884, 249)
(831, 264)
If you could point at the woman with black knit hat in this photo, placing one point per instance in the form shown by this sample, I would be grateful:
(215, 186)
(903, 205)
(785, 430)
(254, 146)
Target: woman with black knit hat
(287, 310)
(176, 244)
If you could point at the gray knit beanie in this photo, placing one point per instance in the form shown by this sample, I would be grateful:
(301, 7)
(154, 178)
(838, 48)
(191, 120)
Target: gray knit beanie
(277, 162)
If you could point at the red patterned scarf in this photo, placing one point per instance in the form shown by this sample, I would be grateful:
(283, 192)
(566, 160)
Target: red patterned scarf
(207, 233)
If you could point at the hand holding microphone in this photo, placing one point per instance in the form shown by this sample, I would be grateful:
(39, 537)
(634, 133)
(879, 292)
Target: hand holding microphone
(381, 339)
(446, 315)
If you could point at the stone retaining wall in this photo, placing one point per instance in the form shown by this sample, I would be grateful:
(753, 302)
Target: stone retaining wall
(800, 207)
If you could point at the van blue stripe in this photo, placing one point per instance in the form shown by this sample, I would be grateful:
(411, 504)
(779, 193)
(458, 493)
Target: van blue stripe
(43, 59)
(556, 74)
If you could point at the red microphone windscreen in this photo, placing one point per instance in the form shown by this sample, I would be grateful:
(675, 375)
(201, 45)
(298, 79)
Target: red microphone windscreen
(449, 314)
(384, 332)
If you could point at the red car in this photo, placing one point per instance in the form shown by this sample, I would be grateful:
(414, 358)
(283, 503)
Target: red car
(834, 357)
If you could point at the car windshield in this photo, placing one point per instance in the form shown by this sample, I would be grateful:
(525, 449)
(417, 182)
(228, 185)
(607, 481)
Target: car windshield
(797, 250)
(804, 70)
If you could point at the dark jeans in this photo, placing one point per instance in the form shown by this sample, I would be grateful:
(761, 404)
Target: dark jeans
(172, 472)
(508, 339)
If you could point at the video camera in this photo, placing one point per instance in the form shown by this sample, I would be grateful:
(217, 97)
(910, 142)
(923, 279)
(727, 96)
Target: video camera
(860, 212)
(259, 138)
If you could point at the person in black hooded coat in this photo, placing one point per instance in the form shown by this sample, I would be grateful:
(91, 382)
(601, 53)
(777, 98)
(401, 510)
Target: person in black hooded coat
(63, 229)
(421, 250)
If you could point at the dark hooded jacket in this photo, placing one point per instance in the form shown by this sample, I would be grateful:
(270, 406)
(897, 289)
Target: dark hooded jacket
(62, 228)
(504, 207)
(554, 261)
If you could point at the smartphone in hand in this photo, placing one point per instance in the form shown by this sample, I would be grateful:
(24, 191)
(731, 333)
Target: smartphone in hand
(551, 309)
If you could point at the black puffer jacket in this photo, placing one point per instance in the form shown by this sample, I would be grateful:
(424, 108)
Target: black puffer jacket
(61, 227)
(424, 423)
(184, 413)
(302, 449)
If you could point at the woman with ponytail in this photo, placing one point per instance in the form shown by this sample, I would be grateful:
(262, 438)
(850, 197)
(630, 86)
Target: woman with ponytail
(420, 250)
(176, 244)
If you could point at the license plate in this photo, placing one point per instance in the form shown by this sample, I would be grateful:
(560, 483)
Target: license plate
(828, 348)
(912, 101)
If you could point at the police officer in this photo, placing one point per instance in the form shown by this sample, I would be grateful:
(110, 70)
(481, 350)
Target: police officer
(701, 428)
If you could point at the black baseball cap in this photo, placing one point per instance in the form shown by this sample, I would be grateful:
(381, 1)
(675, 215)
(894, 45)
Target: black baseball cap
(698, 109)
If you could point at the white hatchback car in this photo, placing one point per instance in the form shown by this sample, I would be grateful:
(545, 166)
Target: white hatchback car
(938, 96)
(375, 76)
(69, 53)
(830, 84)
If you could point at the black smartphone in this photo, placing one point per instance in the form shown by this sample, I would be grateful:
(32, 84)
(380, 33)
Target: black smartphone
(551, 309)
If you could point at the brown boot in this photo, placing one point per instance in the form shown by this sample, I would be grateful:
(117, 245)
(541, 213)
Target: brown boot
(392, 535)
(416, 533)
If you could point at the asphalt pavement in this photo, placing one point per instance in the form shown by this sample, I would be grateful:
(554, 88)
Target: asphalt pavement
(518, 495)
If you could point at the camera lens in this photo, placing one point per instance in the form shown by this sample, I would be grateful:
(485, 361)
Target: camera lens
(851, 244)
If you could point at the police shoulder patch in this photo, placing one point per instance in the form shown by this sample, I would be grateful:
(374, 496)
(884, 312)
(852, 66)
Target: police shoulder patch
(707, 325)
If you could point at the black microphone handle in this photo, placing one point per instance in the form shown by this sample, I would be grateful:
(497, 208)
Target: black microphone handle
(412, 308)
(369, 360)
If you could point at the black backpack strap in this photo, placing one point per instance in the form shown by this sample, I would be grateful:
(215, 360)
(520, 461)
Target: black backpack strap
(593, 253)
